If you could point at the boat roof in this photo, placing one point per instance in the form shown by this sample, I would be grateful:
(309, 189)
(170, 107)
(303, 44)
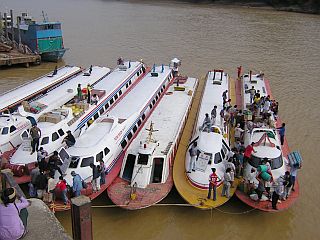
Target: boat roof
(63, 93)
(167, 118)
(212, 96)
(10, 97)
(265, 150)
(257, 82)
(138, 97)
(210, 142)
(135, 100)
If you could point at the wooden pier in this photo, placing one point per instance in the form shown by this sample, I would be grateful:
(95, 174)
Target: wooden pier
(10, 56)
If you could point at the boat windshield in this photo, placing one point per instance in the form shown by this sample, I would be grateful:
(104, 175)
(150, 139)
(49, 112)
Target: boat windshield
(274, 162)
(5, 131)
(143, 159)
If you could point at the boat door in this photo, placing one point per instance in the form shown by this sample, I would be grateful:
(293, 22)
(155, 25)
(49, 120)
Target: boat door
(128, 169)
(26, 140)
(157, 170)
(65, 158)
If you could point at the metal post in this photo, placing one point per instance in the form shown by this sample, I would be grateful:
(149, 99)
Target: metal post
(6, 26)
(81, 218)
(12, 30)
(18, 27)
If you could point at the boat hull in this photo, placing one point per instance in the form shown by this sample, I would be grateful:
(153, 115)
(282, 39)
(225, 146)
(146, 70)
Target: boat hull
(53, 56)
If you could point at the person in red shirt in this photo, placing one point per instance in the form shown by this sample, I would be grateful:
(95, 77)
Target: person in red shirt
(213, 182)
(248, 151)
(62, 186)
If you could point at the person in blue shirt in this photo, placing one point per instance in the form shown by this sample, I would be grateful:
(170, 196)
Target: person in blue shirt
(77, 184)
(282, 131)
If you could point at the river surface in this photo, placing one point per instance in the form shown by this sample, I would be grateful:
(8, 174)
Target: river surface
(286, 46)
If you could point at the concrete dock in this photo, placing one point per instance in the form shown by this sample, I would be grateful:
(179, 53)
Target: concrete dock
(42, 224)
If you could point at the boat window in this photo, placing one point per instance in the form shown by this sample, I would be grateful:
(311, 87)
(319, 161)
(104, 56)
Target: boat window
(111, 100)
(138, 73)
(130, 82)
(129, 136)
(143, 117)
(24, 135)
(254, 161)
(223, 154)
(106, 151)
(99, 156)
(101, 111)
(127, 85)
(120, 92)
(12, 128)
(217, 158)
(5, 130)
(123, 143)
(157, 98)
(224, 144)
(153, 102)
(139, 122)
(74, 162)
(116, 97)
(150, 106)
(135, 129)
(61, 132)
(86, 162)
(106, 106)
(276, 162)
(96, 116)
(225, 150)
(55, 136)
(143, 159)
(45, 141)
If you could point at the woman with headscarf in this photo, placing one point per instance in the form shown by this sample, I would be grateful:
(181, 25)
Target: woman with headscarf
(13, 215)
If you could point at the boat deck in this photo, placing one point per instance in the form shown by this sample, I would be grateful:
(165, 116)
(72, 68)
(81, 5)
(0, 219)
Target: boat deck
(195, 196)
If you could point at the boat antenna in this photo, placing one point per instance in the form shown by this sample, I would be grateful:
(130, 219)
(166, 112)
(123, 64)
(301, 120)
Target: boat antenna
(45, 16)
(151, 130)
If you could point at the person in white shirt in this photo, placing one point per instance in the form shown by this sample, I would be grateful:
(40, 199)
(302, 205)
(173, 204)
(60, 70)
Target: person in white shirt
(94, 99)
(238, 132)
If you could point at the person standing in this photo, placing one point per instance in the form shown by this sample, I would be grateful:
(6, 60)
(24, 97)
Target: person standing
(90, 69)
(213, 182)
(221, 117)
(231, 165)
(282, 131)
(247, 152)
(277, 186)
(79, 92)
(214, 115)
(287, 184)
(226, 183)
(76, 184)
(62, 186)
(238, 132)
(41, 184)
(193, 151)
(35, 134)
(89, 89)
(55, 71)
(41, 154)
(32, 185)
(252, 92)
(239, 71)
(224, 96)
(102, 172)
(53, 163)
(293, 173)
(260, 189)
(95, 178)
(13, 215)
(94, 99)
(206, 125)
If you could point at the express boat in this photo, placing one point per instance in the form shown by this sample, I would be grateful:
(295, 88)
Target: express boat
(262, 131)
(213, 147)
(146, 173)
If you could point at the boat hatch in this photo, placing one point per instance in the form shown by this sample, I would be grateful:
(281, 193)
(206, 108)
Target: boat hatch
(128, 169)
(275, 163)
(204, 159)
(74, 162)
(25, 135)
(156, 175)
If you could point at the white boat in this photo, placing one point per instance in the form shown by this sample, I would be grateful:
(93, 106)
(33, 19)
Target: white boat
(146, 173)
(12, 125)
(77, 117)
(213, 143)
(264, 135)
(11, 99)
(111, 135)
